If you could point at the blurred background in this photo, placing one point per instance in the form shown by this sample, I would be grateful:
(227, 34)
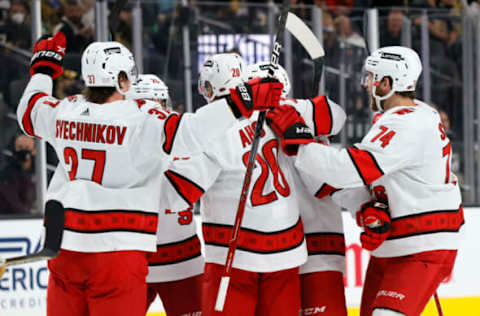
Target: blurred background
(172, 38)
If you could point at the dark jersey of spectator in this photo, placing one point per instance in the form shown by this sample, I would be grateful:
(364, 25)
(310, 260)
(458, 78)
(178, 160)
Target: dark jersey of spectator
(17, 190)
(16, 30)
(391, 32)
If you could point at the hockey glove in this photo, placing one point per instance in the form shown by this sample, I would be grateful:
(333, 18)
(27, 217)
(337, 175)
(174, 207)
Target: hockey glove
(290, 128)
(257, 94)
(375, 220)
(48, 54)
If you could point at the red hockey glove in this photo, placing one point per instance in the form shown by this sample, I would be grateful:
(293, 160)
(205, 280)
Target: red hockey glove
(375, 220)
(290, 128)
(257, 94)
(48, 54)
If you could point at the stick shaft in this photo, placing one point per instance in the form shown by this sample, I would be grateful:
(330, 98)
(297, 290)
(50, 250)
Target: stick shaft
(437, 303)
(223, 288)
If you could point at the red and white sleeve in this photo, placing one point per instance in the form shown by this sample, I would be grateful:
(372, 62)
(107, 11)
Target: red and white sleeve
(37, 109)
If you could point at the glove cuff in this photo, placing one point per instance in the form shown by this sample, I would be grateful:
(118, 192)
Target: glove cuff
(236, 112)
(47, 68)
(42, 70)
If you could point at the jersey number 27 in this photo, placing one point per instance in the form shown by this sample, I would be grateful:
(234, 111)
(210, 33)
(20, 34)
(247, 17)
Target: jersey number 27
(98, 156)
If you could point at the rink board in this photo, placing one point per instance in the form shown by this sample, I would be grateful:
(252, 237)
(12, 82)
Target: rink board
(23, 288)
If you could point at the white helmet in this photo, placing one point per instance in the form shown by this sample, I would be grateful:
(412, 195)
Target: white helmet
(401, 64)
(149, 87)
(220, 73)
(261, 70)
(103, 61)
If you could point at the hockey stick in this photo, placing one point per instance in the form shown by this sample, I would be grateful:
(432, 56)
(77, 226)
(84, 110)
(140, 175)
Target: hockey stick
(225, 280)
(311, 44)
(437, 303)
(54, 224)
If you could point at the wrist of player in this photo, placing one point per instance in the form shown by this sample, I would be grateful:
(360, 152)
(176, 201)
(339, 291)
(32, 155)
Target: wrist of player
(240, 103)
(296, 135)
(47, 69)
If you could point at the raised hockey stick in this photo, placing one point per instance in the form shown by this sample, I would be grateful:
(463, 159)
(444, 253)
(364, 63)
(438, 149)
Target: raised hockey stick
(54, 223)
(225, 280)
(437, 303)
(311, 44)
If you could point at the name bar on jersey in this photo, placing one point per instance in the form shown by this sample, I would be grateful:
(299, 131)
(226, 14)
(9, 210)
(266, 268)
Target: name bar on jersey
(90, 132)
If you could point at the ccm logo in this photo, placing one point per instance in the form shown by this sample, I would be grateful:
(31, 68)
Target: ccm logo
(314, 310)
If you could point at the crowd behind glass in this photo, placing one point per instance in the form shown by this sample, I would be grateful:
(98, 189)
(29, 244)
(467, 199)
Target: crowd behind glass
(343, 25)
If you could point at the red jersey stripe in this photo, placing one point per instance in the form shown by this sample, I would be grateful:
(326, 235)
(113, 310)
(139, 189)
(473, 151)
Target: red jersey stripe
(110, 221)
(255, 241)
(186, 188)
(366, 165)
(325, 190)
(171, 126)
(26, 119)
(322, 116)
(175, 252)
(325, 244)
(427, 223)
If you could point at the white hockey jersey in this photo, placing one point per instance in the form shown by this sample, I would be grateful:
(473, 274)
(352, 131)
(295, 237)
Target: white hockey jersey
(271, 238)
(320, 209)
(405, 158)
(113, 155)
(178, 255)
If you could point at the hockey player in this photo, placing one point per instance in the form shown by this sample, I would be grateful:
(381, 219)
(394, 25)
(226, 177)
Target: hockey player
(265, 278)
(405, 159)
(150, 87)
(112, 155)
(321, 217)
(175, 269)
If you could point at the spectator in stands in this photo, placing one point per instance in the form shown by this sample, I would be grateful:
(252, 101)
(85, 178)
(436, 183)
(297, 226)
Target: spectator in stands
(123, 33)
(16, 30)
(392, 34)
(78, 35)
(343, 27)
(50, 15)
(474, 8)
(17, 185)
(68, 84)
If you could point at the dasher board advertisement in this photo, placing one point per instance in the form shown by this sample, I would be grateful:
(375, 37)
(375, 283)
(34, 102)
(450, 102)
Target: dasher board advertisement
(23, 288)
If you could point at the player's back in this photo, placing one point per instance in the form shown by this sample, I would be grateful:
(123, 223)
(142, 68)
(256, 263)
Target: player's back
(273, 237)
(111, 155)
(113, 144)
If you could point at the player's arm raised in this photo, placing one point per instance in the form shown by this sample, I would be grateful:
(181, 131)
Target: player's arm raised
(45, 65)
(323, 116)
(187, 179)
(382, 151)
